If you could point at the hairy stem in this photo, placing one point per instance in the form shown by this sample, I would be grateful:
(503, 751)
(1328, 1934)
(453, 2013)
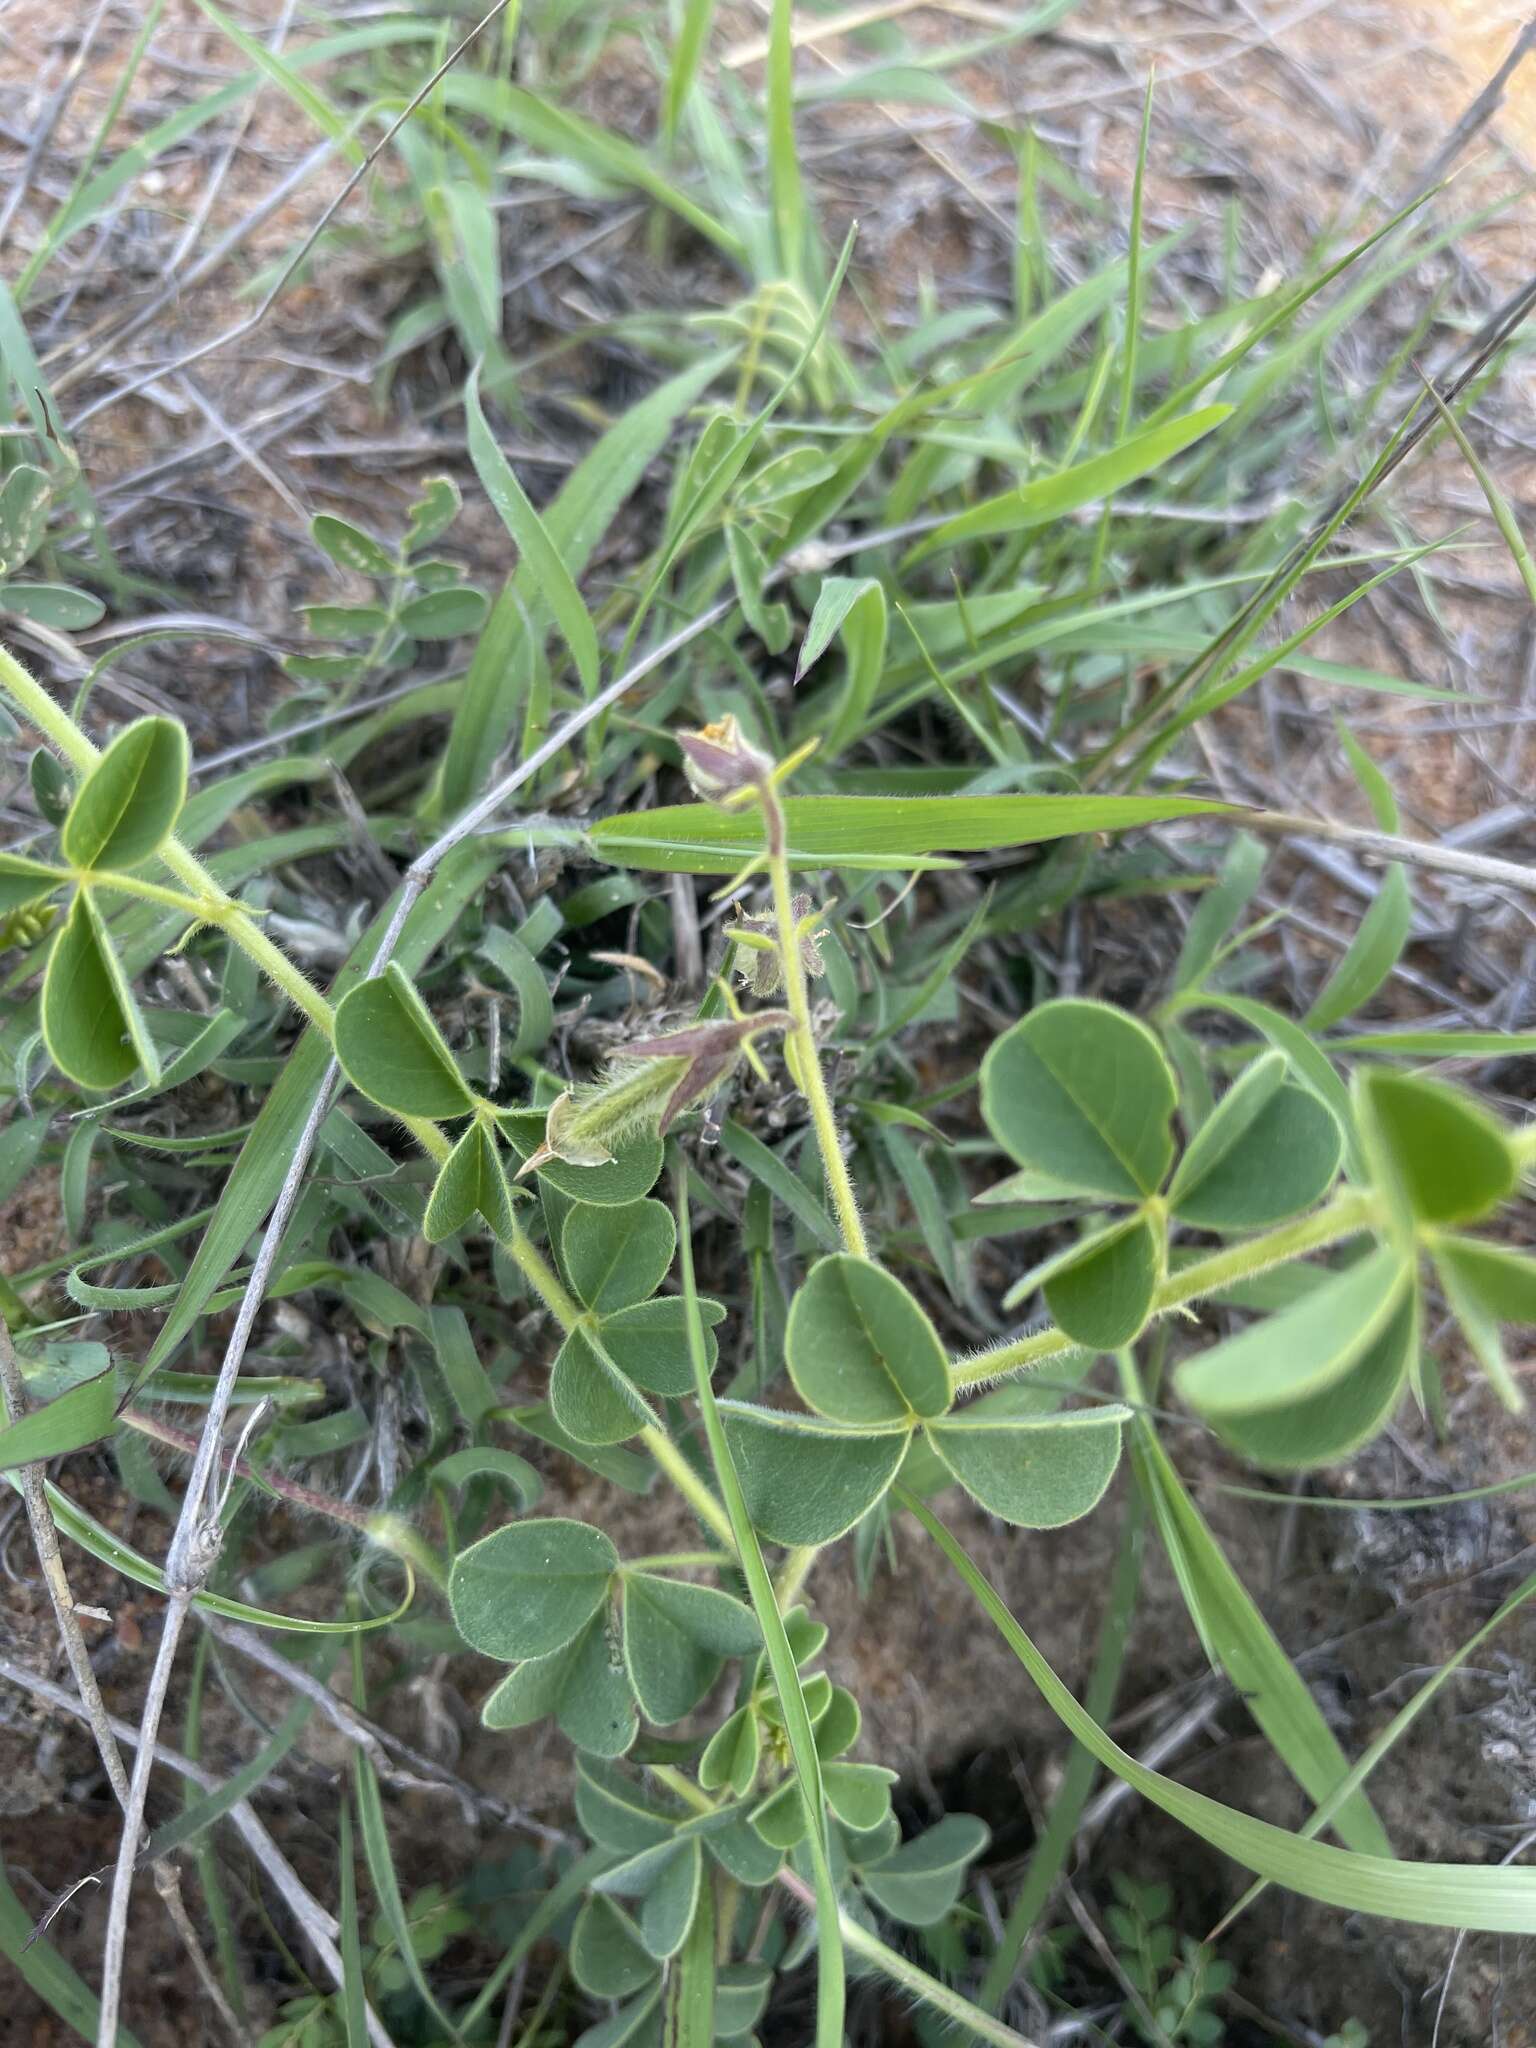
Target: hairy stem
(1344, 1216)
(808, 1072)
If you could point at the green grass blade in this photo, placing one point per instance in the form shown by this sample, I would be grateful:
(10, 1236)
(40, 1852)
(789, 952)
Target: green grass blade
(791, 222)
(1491, 1898)
(354, 1994)
(830, 1981)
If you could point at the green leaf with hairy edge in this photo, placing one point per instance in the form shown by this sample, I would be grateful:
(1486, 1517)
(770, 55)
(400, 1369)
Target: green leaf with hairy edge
(859, 1794)
(590, 1399)
(1485, 1285)
(1372, 955)
(91, 1022)
(1084, 1093)
(807, 1481)
(608, 1959)
(855, 607)
(1267, 1151)
(732, 1754)
(1239, 1642)
(392, 1052)
(859, 1348)
(1321, 1427)
(350, 548)
(557, 585)
(615, 1811)
(1038, 1472)
(580, 1686)
(780, 1818)
(872, 831)
(741, 1995)
(1048, 498)
(130, 798)
(837, 1730)
(444, 614)
(23, 881)
(1494, 1897)
(615, 1258)
(649, 1342)
(743, 1854)
(676, 1637)
(1439, 1154)
(922, 1881)
(470, 1182)
(632, 1172)
(1303, 1349)
(1099, 1291)
(666, 1914)
(527, 1589)
(83, 1415)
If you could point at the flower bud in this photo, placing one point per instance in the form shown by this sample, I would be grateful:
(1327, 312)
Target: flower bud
(720, 762)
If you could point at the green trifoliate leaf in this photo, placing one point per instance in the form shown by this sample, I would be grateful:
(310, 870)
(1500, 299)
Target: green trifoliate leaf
(1082, 1092)
(1038, 1471)
(922, 1881)
(1304, 1350)
(860, 1350)
(669, 1906)
(129, 800)
(1099, 1291)
(859, 1794)
(592, 1401)
(582, 1688)
(608, 1958)
(92, 1025)
(1268, 1150)
(741, 1993)
(1326, 1425)
(615, 1811)
(732, 1755)
(392, 1052)
(1434, 1151)
(649, 1342)
(526, 1590)
(24, 881)
(615, 1258)
(676, 1639)
(632, 1172)
(1486, 1285)
(471, 1182)
(806, 1481)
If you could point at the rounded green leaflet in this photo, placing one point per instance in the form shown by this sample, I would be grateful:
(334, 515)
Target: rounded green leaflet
(351, 548)
(732, 1754)
(676, 1638)
(859, 1794)
(24, 881)
(608, 1959)
(804, 1481)
(837, 1729)
(649, 1342)
(581, 1686)
(1435, 1151)
(1321, 1427)
(392, 1052)
(615, 1258)
(1270, 1149)
(592, 1402)
(471, 1182)
(527, 1589)
(632, 1172)
(1038, 1472)
(1300, 1351)
(130, 798)
(1100, 1291)
(91, 1023)
(741, 1993)
(1486, 1285)
(919, 1883)
(445, 614)
(615, 1810)
(743, 1853)
(860, 1350)
(667, 1911)
(1082, 1092)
